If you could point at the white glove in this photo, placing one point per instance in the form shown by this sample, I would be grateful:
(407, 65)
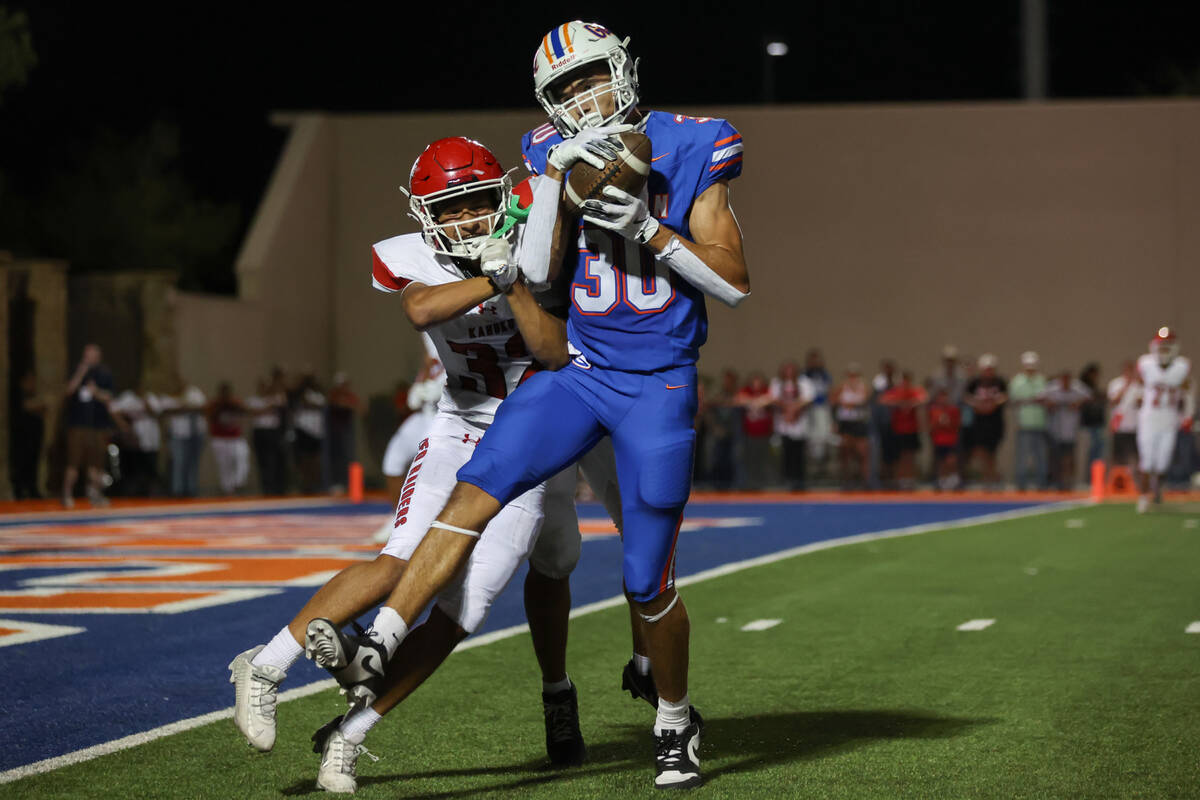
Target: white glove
(590, 144)
(495, 262)
(622, 213)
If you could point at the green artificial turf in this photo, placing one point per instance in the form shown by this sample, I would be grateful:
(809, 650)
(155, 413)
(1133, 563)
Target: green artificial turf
(1085, 686)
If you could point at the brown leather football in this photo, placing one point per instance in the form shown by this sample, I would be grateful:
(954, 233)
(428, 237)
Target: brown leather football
(628, 172)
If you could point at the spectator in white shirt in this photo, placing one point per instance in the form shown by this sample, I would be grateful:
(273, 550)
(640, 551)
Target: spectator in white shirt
(792, 395)
(1124, 394)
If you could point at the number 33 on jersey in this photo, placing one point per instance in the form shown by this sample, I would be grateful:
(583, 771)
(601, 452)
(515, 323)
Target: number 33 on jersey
(482, 350)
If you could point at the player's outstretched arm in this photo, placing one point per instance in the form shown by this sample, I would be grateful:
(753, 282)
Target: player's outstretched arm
(426, 306)
(545, 335)
(712, 260)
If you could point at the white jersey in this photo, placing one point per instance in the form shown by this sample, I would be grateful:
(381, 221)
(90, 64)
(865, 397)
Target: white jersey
(482, 350)
(1165, 392)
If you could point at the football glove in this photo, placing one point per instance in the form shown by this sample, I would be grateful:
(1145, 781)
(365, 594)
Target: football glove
(590, 145)
(622, 213)
(496, 264)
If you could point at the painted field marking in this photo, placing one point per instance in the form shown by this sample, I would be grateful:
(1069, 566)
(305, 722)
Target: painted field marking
(976, 625)
(1193, 628)
(1031, 570)
(1075, 523)
(21, 631)
(1191, 523)
(761, 624)
(133, 740)
(722, 620)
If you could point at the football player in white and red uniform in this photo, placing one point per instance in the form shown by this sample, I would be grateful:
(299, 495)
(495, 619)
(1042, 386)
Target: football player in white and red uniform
(1167, 406)
(451, 280)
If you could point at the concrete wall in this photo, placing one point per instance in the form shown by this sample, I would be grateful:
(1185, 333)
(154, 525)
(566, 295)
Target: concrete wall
(872, 231)
(44, 282)
(1071, 228)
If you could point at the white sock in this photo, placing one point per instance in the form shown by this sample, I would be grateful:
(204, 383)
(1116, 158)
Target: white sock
(557, 686)
(356, 724)
(281, 652)
(641, 664)
(672, 716)
(389, 629)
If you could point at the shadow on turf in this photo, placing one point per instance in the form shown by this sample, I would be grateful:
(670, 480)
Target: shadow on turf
(735, 743)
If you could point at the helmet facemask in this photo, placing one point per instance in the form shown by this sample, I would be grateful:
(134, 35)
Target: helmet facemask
(566, 114)
(449, 237)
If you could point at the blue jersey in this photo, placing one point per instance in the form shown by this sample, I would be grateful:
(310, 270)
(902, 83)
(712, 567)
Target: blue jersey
(628, 310)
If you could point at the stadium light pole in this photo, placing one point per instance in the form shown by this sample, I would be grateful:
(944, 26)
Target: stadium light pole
(1034, 55)
(772, 49)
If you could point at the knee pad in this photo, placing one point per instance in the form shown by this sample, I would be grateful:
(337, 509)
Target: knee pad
(665, 480)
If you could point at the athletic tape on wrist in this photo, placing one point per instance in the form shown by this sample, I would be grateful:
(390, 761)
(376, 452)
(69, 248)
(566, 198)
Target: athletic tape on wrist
(538, 238)
(453, 528)
(663, 613)
(699, 274)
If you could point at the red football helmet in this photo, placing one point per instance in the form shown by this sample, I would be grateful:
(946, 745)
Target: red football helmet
(449, 169)
(1164, 345)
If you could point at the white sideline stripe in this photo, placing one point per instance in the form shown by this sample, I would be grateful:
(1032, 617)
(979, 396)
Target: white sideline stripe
(89, 753)
(1193, 628)
(761, 624)
(976, 625)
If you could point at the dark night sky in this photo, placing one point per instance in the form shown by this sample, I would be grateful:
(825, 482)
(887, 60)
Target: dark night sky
(215, 70)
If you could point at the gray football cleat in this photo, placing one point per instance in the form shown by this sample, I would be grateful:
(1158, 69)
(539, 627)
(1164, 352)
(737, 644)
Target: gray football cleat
(255, 689)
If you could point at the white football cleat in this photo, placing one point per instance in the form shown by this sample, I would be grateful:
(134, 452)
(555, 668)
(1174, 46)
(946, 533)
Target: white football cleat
(255, 690)
(339, 759)
(1143, 504)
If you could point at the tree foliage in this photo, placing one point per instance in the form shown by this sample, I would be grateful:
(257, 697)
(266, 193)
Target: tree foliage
(17, 58)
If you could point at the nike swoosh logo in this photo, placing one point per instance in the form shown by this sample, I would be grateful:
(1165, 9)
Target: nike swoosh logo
(368, 668)
(680, 386)
(656, 158)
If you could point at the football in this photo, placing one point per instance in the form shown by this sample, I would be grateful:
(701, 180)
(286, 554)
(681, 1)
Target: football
(628, 172)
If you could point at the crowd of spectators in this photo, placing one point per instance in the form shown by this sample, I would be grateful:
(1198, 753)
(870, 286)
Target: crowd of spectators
(897, 431)
(798, 428)
(134, 442)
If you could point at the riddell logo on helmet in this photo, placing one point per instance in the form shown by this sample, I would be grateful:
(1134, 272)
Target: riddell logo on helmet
(564, 61)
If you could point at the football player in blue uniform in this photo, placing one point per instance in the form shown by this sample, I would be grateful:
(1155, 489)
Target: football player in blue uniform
(636, 323)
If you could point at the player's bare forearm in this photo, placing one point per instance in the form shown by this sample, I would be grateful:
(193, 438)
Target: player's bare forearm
(426, 306)
(545, 335)
(716, 237)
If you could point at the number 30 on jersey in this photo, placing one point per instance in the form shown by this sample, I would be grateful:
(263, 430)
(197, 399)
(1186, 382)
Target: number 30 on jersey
(617, 270)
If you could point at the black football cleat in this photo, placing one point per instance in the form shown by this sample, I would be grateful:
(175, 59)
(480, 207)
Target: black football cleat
(564, 742)
(640, 687)
(677, 758)
(356, 662)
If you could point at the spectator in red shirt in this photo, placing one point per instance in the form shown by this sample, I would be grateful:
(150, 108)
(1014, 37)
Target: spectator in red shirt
(945, 424)
(757, 425)
(904, 399)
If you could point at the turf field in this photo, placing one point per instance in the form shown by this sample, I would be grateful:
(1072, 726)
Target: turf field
(1085, 684)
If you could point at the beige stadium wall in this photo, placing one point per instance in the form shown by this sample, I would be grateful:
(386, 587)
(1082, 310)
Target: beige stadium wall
(871, 231)
(1068, 228)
